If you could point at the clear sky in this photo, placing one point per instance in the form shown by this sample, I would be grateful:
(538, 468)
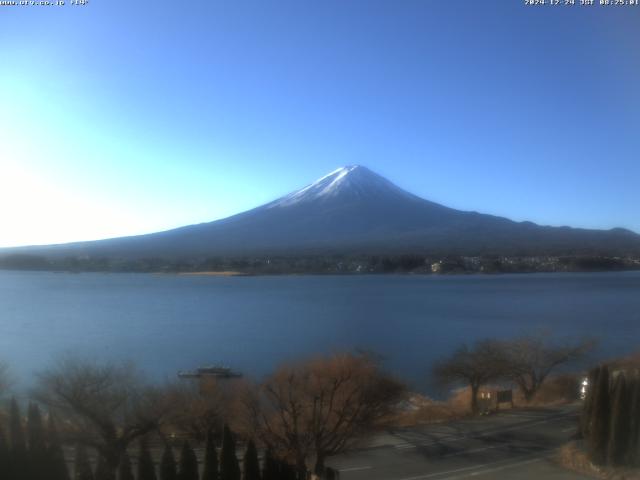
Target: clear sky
(124, 117)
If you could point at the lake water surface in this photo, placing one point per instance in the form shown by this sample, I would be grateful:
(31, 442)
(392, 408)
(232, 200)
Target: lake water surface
(166, 323)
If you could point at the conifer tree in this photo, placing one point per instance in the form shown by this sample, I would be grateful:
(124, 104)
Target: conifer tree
(586, 416)
(286, 471)
(269, 466)
(124, 469)
(251, 464)
(55, 454)
(16, 432)
(4, 456)
(19, 464)
(103, 471)
(633, 456)
(331, 474)
(37, 445)
(210, 471)
(188, 463)
(599, 431)
(229, 468)
(168, 468)
(620, 435)
(82, 465)
(35, 431)
(146, 469)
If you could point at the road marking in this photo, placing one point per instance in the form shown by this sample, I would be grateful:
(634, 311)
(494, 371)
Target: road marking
(401, 446)
(472, 435)
(355, 469)
(521, 415)
(497, 469)
(476, 450)
(477, 468)
(437, 474)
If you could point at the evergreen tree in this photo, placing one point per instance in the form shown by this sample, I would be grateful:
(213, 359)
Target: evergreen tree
(270, 466)
(168, 468)
(55, 454)
(286, 471)
(633, 456)
(586, 416)
(188, 463)
(210, 471)
(4, 456)
(620, 435)
(35, 431)
(599, 431)
(331, 474)
(103, 471)
(82, 465)
(146, 469)
(37, 451)
(19, 463)
(229, 468)
(251, 464)
(15, 429)
(124, 469)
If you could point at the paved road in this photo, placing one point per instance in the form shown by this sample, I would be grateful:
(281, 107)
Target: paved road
(517, 445)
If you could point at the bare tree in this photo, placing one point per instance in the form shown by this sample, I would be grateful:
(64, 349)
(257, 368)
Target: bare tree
(5, 378)
(105, 407)
(309, 411)
(531, 359)
(473, 366)
(198, 409)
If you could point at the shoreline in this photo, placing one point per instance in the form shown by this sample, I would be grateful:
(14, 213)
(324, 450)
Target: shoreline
(226, 273)
(232, 273)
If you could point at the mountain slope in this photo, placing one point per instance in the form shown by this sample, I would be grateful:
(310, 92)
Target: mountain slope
(354, 210)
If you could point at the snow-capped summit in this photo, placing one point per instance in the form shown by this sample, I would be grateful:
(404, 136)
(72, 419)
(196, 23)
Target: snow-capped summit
(349, 182)
(353, 210)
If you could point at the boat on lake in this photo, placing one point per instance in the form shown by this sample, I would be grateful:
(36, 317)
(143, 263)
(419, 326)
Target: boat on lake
(215, 371)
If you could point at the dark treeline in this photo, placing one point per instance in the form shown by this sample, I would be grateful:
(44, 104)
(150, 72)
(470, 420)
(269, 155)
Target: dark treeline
(114, 425)
(106, 422)
(327, 264)
(32, 450)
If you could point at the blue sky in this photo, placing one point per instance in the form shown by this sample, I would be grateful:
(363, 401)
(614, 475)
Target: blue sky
(123, 117)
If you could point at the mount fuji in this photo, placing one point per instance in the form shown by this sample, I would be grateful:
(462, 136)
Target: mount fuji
(353, 210)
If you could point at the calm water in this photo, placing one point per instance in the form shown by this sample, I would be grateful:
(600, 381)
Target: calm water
(166, 323)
